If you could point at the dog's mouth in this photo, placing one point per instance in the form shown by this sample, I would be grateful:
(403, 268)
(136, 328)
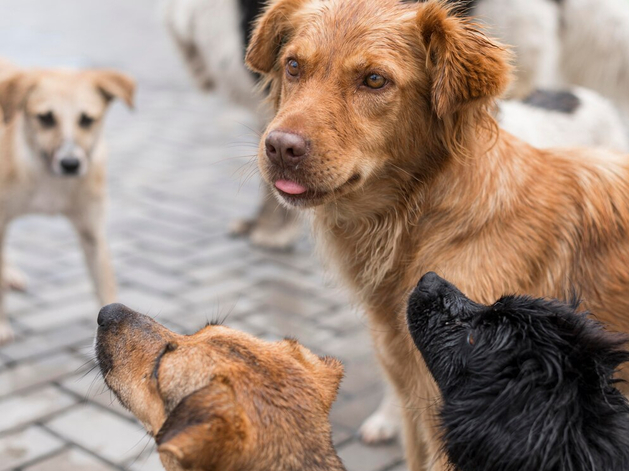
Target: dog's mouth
(299, 194)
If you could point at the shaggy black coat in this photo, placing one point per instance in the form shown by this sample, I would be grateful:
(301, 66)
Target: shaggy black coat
(527, 383)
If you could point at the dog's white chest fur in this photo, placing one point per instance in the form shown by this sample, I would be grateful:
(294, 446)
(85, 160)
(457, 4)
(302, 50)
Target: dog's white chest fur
(43, 193)
(52, 195)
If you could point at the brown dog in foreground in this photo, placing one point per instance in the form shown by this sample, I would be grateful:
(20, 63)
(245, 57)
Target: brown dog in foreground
(384, 127)
(53, 158)
(221, 399)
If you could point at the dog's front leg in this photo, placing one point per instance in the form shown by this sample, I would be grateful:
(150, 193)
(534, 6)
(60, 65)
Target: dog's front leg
(6, 333)
(90, 226)
(385, 423)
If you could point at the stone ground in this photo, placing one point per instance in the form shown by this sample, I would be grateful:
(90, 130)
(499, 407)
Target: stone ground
(180, 170)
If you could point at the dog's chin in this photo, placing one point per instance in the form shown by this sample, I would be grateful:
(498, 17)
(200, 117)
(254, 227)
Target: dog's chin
(313, 197)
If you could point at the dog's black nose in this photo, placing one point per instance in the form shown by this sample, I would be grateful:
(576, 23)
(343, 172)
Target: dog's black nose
(70, 165)
(285, 147)
(112, 313)
(430, 281)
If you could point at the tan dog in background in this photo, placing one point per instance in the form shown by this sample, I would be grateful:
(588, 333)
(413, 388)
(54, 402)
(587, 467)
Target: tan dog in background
(221, 399)
(384, 127)
(53, 157)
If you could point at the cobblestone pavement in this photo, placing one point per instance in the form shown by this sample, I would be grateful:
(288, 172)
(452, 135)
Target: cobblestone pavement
(179, 172)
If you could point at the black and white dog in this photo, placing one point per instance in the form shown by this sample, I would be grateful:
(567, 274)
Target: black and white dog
(527, 384)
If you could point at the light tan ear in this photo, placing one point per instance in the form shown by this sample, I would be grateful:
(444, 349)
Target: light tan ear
(271, 31)
(464, 65)
(13, 93)
(206, 430)
(115, 85)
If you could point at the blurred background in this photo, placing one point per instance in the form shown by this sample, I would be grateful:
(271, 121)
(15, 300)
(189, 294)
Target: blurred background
(181, 169)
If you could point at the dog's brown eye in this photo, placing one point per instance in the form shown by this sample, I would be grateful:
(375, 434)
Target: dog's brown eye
(47, 120)
(470, 339)
(292, 67)
(86, 121)
(375, 81)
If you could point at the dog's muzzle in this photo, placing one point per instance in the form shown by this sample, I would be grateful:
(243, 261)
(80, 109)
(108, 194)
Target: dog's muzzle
(69, 160)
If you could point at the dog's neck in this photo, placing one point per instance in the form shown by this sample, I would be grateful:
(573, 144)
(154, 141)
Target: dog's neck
(313, 451)
(326, 461)
(368, 236)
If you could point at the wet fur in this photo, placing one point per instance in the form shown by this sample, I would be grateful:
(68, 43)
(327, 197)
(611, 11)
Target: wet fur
(418, 178)
(527, 384)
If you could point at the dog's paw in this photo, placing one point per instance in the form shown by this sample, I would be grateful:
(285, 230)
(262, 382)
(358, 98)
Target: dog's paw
(380, 427)
(6, 333)
(14, 279)
(241, 227)
(275, 238)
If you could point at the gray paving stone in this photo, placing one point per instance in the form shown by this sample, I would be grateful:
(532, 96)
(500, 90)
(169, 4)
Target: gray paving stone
(359, 457)
(19, 410)
(23, 447)
(36, 372)
(91, 387)
(115, 439)
(50, 317)
(147, 462)
(147, 303)
(71, 460)
(400, 467)
(351, 413)
(47, 342)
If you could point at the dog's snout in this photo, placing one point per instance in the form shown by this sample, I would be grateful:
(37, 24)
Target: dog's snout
(285, 147)
(430, 281)
(112, 314)
(70, 165)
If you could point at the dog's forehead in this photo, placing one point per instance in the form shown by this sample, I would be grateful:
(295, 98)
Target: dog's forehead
(66, 90)
(337, 26)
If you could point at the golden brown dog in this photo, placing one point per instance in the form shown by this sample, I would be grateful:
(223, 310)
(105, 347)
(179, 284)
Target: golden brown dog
(221, 400)
(53, 157)
(383, 127)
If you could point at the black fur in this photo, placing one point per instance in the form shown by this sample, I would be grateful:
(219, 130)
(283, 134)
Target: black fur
(526, 383)
(249, 10)
(561, 101)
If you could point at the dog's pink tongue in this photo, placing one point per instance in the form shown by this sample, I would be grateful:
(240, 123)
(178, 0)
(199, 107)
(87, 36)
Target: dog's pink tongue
(292, 188)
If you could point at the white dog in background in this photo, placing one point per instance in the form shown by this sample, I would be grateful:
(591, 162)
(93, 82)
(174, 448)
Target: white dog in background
(556, 42)
(564, 42)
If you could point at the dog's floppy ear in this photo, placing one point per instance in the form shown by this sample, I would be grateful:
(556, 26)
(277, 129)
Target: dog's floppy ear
(114, 84)
(332, 380)
(327, 372)
(206, 430)
(270, 33)
(13, 93)
(464, 65)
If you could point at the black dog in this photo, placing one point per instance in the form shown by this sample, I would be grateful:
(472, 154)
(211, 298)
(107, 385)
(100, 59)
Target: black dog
(527, 384)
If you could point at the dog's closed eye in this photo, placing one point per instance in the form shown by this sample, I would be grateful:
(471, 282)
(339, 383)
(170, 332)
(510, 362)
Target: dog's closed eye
(169, 347)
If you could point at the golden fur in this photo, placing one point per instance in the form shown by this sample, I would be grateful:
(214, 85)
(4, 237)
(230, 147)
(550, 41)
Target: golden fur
(221, 400)
(415, 177)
